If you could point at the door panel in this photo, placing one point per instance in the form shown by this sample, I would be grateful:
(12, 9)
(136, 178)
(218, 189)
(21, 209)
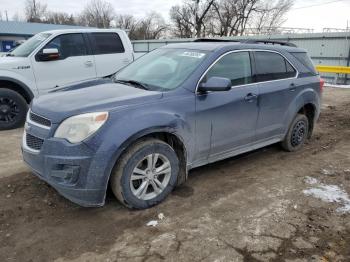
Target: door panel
(226, 120)
(109, 52)
(73, 65)
(277, 89)
(274, 100)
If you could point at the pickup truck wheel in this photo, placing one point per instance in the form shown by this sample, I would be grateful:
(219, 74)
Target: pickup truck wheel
(297, 134)
(145, 174)
(13, 109)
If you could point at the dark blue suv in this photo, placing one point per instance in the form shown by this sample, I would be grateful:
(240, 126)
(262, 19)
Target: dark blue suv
(174, 109)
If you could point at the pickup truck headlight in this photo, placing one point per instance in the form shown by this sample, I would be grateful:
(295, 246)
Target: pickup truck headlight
(77, 128)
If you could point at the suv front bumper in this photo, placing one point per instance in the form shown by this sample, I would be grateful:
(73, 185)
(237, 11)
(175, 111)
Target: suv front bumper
(75, 171)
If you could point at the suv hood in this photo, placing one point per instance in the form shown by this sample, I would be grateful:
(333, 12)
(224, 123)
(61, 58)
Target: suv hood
(13, 63)
(90, 96)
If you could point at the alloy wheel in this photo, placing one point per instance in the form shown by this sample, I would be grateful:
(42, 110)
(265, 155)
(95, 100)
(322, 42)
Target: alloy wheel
(8, 110)
(150, 176)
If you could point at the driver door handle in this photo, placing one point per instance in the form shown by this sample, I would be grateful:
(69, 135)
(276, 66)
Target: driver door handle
(250, 97)
(292, 87)
(89, 63)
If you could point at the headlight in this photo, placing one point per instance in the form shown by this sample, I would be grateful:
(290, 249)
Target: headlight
(77, 128)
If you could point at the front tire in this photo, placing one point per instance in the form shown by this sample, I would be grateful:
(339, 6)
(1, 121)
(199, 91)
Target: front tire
(13, 109)
(145, 174)
(297, 134)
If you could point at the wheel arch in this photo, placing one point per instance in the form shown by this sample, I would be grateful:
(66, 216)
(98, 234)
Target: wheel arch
(167, 135)
(306, 102)
(309, 110)
(18, 87)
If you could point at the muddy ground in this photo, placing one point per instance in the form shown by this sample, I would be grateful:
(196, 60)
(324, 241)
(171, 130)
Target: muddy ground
(247, 208)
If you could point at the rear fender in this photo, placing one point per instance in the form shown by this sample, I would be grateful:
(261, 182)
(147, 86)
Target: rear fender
(307, 96)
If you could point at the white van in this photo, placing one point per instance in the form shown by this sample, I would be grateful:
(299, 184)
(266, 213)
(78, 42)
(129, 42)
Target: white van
(52, 59)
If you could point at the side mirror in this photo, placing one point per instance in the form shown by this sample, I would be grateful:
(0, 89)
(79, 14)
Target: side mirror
(48, 54)
(215, 84)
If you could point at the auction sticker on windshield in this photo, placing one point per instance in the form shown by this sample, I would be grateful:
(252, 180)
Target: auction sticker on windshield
(193, 54)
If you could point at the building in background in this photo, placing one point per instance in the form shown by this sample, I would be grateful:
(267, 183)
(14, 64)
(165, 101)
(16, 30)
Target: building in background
(12, 33)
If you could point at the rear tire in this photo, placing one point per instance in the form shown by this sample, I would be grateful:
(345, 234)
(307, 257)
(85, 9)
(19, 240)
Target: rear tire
(145, 174)
(297, 134)
(13, 109)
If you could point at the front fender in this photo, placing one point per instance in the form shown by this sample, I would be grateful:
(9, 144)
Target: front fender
(126, 129)
(126, 126)
(26, 83)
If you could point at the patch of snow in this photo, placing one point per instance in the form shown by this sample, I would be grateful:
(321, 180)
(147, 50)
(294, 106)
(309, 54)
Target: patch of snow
(161, 216)
(152, 223)
(311, 181)
(327, 172)
(329, 193)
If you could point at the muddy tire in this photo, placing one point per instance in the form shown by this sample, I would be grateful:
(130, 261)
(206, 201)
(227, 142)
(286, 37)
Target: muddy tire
(145, 174)
(13, 109)
(297, 134)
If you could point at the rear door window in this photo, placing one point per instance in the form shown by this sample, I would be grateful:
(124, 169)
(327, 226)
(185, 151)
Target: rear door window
(272, 66)
(234, 66)
(106, 43)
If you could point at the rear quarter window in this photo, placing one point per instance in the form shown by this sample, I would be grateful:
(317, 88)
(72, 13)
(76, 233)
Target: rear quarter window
(106, 43)
(306, 61)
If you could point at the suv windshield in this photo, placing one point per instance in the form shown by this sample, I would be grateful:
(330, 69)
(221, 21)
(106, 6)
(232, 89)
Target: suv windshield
(29, 46)
(162, 69)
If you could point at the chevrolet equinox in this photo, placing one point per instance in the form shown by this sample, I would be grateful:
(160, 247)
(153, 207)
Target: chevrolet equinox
(178, 107)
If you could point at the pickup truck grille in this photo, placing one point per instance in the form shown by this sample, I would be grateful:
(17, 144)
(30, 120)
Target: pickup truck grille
(39, 119)
(34, 142)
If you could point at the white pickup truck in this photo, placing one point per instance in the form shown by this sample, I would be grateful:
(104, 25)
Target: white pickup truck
(52, 59)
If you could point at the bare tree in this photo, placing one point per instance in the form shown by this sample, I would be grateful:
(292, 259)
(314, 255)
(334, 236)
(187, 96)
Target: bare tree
(97, 13)
(191, 16)
(59, 18)
(128, 23)
(200, 9)
(181, 18)
(153, 26)
(125, 21)
(226, 17)
(270, 15)
(35, 11)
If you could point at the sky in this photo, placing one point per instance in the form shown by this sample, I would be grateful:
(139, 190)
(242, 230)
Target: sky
(315, 14)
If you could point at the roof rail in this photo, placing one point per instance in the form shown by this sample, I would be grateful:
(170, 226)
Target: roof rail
(214, 40)
(247, 41)
(266, 42)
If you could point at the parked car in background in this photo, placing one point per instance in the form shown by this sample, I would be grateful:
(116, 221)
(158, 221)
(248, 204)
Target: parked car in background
(174, 109)
(52, 59)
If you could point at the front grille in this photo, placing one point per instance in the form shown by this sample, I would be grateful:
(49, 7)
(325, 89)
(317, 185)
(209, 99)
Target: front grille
(34, 142)
(39, 119)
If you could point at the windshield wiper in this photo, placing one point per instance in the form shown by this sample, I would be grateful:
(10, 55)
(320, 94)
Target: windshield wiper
(133, 82)
(9, 54)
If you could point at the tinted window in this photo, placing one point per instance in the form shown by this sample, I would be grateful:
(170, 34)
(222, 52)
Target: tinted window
(69, 45)
(106, 43)
(306, 61)
(272, 66)
(234, 66)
